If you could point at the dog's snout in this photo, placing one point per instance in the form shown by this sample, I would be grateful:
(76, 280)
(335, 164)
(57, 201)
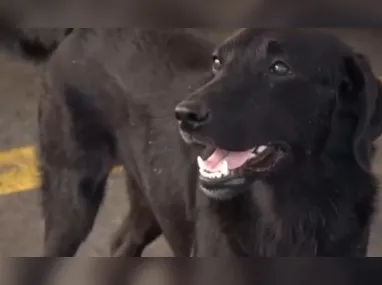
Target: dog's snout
(192, 114)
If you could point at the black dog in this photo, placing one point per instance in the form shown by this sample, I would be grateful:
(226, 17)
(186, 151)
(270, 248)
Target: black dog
(288, 121)
(292, 115)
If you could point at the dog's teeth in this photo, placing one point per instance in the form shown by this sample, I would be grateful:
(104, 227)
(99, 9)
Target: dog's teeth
(215, 175)
(204, 173)
(224, 168)
(200, 163)
(261, 148)
(219, 173)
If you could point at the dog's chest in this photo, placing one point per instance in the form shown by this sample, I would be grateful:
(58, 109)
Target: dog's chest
(269, 228)
(259, 228)
(264, 200)
(247, 226)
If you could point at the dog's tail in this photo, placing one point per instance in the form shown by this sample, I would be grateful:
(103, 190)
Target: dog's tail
(32, 44)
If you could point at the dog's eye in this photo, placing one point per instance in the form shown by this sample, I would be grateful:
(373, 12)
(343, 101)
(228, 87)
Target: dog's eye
(280, 68)
(216, 64)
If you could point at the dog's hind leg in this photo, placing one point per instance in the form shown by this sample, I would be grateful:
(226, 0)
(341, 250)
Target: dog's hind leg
(71, 199)
(77, 152)
(139, 227)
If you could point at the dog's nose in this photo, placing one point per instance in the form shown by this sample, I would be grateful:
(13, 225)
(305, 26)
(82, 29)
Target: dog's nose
(191, 114)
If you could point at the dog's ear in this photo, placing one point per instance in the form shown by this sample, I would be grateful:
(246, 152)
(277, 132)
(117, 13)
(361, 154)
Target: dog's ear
(361, 95)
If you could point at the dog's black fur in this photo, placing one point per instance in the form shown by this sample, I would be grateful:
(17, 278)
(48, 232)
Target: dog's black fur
(99, 109)
(110, 97)
(121, 112)
(319, 200)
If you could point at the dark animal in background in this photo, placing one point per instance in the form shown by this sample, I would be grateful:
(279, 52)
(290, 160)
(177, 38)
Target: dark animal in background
(109, 99)
(99, 110)
(80, 136)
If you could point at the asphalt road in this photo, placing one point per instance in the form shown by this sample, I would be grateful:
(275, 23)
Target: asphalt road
(20, 220)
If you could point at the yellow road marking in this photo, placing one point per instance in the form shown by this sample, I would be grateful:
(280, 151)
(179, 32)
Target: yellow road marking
(19, 171)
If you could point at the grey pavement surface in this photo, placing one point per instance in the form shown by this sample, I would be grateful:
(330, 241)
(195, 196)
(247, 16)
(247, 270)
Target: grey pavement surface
(20, 221)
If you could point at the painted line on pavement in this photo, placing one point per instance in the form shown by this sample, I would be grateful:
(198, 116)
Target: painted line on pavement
(19, 170)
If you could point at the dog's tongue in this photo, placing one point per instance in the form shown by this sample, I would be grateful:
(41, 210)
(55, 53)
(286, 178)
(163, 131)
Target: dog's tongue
(233, 158)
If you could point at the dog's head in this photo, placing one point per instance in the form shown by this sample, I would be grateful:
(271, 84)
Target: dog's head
(275, 95)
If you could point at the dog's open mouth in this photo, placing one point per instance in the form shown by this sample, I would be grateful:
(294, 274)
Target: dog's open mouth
(222, 168)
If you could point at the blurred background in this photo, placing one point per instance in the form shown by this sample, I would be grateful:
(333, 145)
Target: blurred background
(194, 13)
(21, 226)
